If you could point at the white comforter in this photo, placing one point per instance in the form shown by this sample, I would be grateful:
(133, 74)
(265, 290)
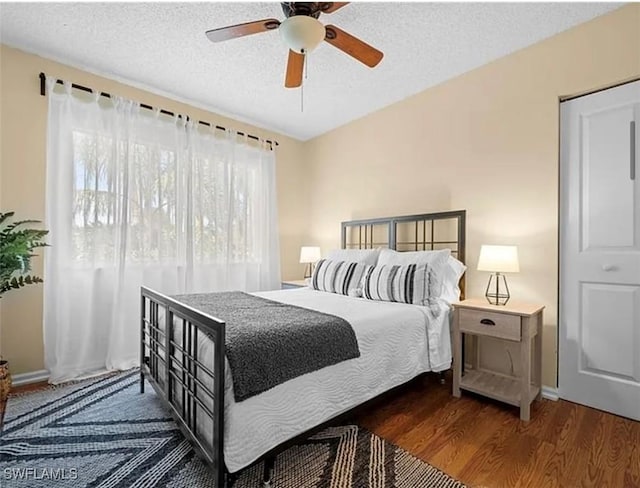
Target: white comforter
(397, 342)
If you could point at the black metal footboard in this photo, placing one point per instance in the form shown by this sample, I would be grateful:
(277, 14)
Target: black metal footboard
(193, 390)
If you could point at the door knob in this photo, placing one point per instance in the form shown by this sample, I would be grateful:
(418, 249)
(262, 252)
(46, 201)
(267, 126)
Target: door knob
(608, 267)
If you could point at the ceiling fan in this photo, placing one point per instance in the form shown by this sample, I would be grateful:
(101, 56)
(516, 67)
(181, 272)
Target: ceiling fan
(302, 32)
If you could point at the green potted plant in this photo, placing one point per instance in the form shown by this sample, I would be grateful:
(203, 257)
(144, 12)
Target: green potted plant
(16, 246)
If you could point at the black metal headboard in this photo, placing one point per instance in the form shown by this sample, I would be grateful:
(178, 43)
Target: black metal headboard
(421, 232)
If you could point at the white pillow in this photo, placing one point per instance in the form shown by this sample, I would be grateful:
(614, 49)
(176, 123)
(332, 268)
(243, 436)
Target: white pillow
(453, 271)
(437, 261)
(365, 256)
(389, 256)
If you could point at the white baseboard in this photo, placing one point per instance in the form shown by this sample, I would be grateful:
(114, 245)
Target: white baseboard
(43, 375)
(550, 393)
(32, 377)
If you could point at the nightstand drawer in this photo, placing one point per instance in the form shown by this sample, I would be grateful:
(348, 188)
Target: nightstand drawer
(504, 326)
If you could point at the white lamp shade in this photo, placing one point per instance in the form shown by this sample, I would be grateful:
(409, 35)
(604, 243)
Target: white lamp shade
(302, 33)
(499, 259)
(309, 254)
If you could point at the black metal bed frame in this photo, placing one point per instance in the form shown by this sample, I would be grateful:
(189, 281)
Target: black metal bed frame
(169, 332)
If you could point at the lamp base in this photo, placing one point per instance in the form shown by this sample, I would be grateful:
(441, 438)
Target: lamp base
(499, 293)
(308, 271)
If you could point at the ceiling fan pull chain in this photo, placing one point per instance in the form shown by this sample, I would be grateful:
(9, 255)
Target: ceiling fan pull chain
(306, 73)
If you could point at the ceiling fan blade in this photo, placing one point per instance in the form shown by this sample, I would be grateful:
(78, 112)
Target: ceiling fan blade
(333, 6)
(353, 46)
(233, 31)
(295, 68)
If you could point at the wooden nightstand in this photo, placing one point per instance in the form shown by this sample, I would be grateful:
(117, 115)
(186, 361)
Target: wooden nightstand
(288, 285)
(515, 322)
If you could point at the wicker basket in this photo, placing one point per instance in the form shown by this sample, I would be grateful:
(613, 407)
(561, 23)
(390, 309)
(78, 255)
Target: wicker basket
(5, 382)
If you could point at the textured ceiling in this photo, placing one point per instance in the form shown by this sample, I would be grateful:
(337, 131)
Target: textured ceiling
(162, 47)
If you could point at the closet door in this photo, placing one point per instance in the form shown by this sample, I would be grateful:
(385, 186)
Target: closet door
(599, 357)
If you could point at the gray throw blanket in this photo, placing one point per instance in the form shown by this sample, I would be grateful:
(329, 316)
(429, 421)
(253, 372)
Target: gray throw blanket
(268, 342)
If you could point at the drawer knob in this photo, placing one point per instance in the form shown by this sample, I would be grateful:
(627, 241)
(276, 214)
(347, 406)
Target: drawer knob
(487, 322)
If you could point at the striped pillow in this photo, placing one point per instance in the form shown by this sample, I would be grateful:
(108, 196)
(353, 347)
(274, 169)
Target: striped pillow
(338, 277)
(397, 283)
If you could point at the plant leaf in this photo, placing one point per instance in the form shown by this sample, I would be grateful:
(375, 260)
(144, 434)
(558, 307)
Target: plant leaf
(16, 246)
(5, 216)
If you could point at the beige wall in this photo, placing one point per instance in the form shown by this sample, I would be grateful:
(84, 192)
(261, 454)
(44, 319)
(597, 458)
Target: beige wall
(486, 142)
(22, 183)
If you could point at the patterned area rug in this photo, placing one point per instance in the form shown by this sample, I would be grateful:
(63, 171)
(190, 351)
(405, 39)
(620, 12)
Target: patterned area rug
(103, 433)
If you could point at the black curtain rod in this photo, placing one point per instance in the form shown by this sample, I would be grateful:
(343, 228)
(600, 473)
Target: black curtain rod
(43, 90)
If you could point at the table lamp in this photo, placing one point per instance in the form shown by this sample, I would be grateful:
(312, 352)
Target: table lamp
(309, 255)
(498, 260)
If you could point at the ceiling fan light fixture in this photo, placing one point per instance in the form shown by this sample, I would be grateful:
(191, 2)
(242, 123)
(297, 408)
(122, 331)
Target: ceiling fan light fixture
(302, 34)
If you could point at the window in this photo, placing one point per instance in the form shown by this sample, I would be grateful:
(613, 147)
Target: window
(135, 195)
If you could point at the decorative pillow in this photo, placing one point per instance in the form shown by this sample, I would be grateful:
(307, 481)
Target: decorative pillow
(437, 261)
(453, 271)
(366, 256)
(338, 277)
(395, 283)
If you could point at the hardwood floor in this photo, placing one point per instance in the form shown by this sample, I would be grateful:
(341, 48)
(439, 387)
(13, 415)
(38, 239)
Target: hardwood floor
(484, 444)
(17, 390)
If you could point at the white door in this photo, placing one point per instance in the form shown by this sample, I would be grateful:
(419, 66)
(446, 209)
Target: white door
(599, 357)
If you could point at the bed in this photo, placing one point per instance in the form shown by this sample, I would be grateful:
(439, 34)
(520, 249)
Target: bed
(184, 358)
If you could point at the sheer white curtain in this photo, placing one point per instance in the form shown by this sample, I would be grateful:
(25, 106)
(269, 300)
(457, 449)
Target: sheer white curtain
(137, 198)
